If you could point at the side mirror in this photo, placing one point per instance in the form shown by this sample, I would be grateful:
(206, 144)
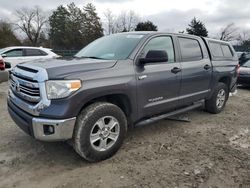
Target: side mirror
(154, 56)
(4, 55)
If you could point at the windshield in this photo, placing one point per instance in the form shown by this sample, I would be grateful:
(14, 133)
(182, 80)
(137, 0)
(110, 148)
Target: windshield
(113, 47)
(247, 64)
(2, 50)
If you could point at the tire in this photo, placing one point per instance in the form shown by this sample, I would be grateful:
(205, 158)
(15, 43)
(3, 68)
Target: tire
(100, 131)
(212, 105)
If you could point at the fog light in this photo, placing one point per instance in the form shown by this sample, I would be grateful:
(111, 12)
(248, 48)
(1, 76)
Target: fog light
(48, 129)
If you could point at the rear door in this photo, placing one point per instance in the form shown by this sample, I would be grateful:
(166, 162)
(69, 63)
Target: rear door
(157, 86)
(196, 70)
(33, 54)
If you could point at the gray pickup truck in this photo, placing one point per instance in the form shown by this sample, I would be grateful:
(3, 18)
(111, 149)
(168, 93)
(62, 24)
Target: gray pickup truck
(120, 81)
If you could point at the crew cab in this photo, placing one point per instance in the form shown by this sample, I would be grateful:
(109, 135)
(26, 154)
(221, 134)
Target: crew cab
(120, 81)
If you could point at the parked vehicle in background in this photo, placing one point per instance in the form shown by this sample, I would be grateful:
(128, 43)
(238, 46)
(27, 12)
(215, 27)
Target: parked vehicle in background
(19, 54)
(244, 57)
(239, 54)
(121, 80)
(244, 74)
(4, 75)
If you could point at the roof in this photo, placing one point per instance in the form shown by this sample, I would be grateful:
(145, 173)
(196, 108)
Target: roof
(13, 47)
(215, 40)
(157, 33)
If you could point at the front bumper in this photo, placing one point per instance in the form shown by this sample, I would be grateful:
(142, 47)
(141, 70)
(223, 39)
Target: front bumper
(244, 79)
(41, 128)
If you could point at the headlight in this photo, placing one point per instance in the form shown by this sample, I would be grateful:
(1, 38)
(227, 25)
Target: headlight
(57, 89)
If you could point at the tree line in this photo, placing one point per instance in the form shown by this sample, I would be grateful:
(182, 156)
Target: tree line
(71, 27)
(67, 28)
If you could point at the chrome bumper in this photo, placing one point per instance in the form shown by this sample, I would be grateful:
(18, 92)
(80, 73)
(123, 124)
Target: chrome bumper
(53, 130)
(43, 129)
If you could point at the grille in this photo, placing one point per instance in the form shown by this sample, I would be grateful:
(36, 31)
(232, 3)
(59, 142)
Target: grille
(25, 88)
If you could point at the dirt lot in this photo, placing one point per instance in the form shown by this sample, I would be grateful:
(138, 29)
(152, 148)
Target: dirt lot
(210, 151)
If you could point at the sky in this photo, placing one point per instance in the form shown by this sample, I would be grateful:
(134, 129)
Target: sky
(168, 15)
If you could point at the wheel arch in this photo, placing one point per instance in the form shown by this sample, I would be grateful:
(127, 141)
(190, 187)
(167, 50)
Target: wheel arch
(121, 100)
(226, 80)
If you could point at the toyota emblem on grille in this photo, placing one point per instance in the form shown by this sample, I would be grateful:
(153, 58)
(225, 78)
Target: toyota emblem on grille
(17, 86)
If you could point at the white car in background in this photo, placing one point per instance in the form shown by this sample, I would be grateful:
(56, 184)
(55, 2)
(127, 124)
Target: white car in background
(18, 54)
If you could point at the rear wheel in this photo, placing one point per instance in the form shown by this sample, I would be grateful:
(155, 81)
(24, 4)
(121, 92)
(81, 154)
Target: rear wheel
(218, 100)
(100, 131)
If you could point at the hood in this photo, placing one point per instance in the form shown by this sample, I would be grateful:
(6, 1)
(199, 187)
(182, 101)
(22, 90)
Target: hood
(61, 68)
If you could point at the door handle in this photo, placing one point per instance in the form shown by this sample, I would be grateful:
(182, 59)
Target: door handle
(142, 77)
(175, 70)
(206, 67)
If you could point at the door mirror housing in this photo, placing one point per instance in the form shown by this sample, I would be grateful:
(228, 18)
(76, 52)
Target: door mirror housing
(154, 56)
(4, 55)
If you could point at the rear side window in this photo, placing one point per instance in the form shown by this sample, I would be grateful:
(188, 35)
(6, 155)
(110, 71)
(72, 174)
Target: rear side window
(216, 49)
(220, 50)
(34, 52)
(190, 49)
(226, 51)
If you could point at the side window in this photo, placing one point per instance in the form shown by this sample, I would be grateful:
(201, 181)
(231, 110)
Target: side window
(190, 49)
(226, 51)
(43, 52)
(14, 53)
(34, 52)
(216, 49)
(161, 43)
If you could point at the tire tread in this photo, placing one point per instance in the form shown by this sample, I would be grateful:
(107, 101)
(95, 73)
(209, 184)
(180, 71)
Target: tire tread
(87, 114)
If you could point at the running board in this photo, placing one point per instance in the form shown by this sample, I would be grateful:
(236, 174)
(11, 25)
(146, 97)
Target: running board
(164, 116)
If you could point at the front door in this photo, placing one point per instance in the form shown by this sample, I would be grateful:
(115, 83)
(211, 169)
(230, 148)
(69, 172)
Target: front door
(157, 86)
(14, 57)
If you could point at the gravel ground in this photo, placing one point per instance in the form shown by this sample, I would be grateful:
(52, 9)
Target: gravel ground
(210, 151)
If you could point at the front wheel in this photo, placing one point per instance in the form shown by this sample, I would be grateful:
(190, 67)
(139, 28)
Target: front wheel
(100, 131)
(218, 100)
